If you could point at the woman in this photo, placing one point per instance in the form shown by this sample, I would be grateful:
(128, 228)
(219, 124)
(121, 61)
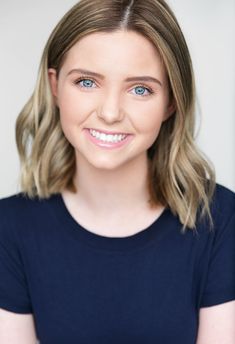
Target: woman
(120, 233)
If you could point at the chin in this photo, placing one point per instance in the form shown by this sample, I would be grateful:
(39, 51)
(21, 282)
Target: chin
(106, 166)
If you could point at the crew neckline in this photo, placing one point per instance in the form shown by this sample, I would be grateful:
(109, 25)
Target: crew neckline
(139, 239)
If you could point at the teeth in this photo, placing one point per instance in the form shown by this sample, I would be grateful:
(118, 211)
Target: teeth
(107, 138)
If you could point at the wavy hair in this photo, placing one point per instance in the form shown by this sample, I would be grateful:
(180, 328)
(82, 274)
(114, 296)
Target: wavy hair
(180, 176)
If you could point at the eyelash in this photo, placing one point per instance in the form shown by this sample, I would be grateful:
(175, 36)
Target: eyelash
(86, 78)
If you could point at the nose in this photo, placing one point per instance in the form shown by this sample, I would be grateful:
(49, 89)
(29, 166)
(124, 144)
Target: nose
(110, 110)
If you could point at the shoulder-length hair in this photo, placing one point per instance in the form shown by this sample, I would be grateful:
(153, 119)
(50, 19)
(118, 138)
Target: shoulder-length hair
(180, 175)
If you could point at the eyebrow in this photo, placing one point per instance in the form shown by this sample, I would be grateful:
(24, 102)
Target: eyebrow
(134, 78)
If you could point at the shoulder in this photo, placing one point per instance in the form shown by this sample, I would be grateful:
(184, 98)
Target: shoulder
(18, 200)
(222, 208)
(24, 221)
(16, 204)
(20, 211)
(217, 250)
(222, 196)
(222, 204)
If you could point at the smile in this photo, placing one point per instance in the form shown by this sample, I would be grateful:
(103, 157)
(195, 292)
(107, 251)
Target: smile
(107, 140)
(107, 137)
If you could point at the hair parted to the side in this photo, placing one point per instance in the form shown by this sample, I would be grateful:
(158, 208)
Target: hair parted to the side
(180, 175)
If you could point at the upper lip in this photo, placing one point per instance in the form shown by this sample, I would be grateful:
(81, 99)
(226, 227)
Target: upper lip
(108, 132)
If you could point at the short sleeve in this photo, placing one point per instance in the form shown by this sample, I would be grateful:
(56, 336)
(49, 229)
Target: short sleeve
(220, 283)
(14, 294)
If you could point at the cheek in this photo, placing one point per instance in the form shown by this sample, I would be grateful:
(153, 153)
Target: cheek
(148, 119)
(73, 109)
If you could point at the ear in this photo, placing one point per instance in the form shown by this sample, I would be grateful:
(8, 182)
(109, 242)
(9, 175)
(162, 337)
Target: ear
(52, 75)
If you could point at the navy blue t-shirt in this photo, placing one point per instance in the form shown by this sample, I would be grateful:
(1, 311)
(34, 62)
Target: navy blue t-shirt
(86, 288)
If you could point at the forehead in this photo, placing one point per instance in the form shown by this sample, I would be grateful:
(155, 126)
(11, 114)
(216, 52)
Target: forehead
(122, 51)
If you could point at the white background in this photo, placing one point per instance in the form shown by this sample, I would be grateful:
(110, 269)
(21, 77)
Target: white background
(209, 29)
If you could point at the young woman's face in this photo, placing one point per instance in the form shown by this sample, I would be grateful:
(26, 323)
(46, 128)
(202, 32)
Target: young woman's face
(109, 103)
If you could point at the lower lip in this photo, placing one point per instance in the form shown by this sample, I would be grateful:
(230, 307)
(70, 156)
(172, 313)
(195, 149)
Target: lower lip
(108, 145)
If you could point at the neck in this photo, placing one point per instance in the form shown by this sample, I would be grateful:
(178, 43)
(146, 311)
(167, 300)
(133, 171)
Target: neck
(105, 191)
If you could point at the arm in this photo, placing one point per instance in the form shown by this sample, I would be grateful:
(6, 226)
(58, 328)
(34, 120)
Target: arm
(17, 328)
(217, 324)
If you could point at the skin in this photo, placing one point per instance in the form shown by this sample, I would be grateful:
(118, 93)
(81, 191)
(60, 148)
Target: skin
(112, 182)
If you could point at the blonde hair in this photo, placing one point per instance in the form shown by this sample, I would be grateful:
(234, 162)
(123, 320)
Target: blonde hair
(180, 175)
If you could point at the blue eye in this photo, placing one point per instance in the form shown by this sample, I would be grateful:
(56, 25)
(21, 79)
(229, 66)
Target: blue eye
(143, 89)
(88, 83)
